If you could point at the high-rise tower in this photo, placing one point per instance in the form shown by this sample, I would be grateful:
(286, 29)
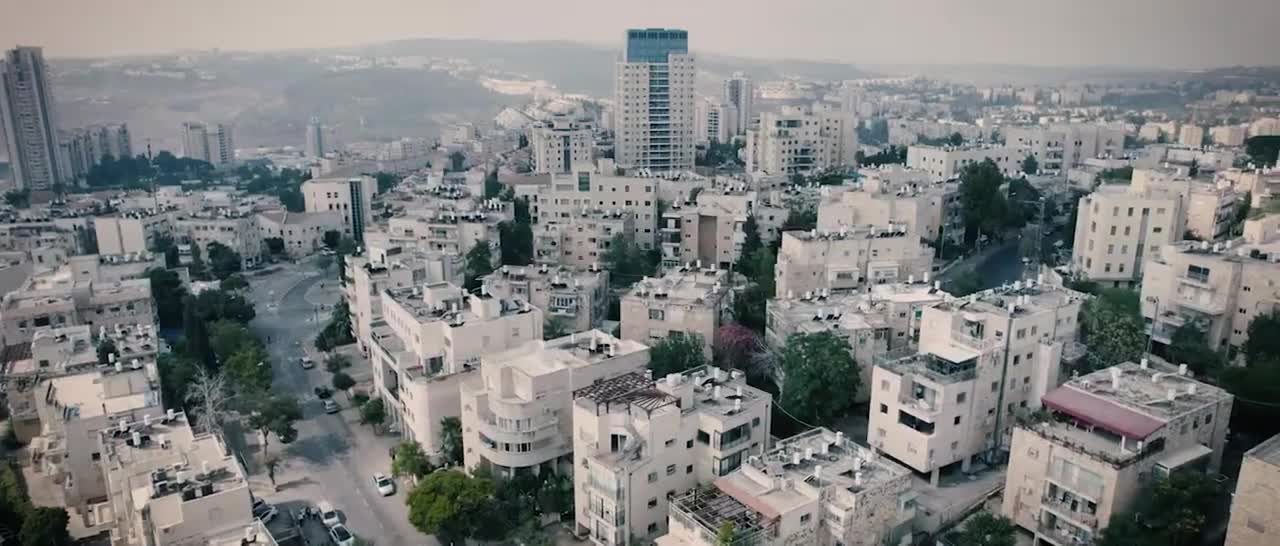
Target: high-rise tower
(654, 101)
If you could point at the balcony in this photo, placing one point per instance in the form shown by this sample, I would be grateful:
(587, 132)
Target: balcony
(1205, 301)
(1059, 531)
(511, 434)
(1064, 509)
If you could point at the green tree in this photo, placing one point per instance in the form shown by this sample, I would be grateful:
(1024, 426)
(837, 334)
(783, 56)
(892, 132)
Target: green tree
(676, 353)
(337, 362)
(516, 243)
(45, 526)
(19, 199)
(1030, 165)
(249, 369)
(821, 377)
(386, 181)
(751, 245)
(1256, 386)
(337, 331)
(342, 381)
(14, 501)
(223, 261)
(1263, 149)
(197, 267)
(1189, 344)
(1178, 505)
(450, 505)
(168, 294)
(373, 413)
(479, 262)
(274, 414)
(212, 305)
(195, 336)
(227, 337)
(332, 238)
(965, 283)
(457, 162)
(727, 534)
(492, 188)
(107, 348)
(410, 460)
(987, 529)
(983, 206)
(451, 441)
(1113, 328)
(627, 262)
(1264, 338)
(554, 327)
(234, 282)
(176, 371)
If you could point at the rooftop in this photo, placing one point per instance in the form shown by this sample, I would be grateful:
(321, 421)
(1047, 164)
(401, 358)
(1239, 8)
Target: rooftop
(958, 365)
(1267, 452)
(822, 458)
(445, 302)
(861, 232)
(557, 276)
(572, 351)
(1020, 297)
(685, 285)
(97, 393)
(1236, 250)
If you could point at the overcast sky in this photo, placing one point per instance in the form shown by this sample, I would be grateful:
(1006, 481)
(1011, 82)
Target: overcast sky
(1139, 33)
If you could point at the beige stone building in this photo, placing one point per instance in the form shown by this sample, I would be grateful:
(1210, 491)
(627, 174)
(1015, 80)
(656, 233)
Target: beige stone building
(683, 302)
(234, 228)
(352, 198)
(517, 412)
(642, 442)
(301, 232)
(799, 140)
(1255, 507)
(817, 487)
(947, 162)
(60, 298)
(1061, 146)
(581, 240)
(1119, 228)
(849, 258)
(130, 232)
(559, 145)
(1110, 433)
(453, 232)
(578, 299)
(710, 229)
(981, 359)
(1220, 287)
(571, 193)
(894, 195)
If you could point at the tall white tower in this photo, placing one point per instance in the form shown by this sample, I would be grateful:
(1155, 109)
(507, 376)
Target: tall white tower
(654, 101)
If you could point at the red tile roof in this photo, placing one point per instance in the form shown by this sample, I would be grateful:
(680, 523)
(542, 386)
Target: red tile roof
(1101, 412)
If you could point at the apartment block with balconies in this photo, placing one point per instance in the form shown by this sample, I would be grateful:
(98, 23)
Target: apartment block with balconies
(981, 359)
(1254, 510)
(642, 442)
(849, 258)
(578, 299)
(572, 193)
(894, 195)
(1119, 229)
(517, 412)
(816, 487)
(1108, 435)
(581, 240)
(685, 301)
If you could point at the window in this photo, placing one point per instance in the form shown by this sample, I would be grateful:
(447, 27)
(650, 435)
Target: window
(657, 314)
(804, 518)
(653, 477)
(688, 469)
(704, 437)
(884, 408)
(1017, 359)
(671, 469)
(1157, 230)
(884, 384)
(1197, 273)
(957, 420)
(96, 456)
(653, 528)
(755, 422)
(960, 398)
(670, 442)
(688, 444)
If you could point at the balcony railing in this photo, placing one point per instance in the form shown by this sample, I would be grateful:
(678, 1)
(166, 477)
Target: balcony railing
(1064, 509)
(1063, 533)
(1210, 302)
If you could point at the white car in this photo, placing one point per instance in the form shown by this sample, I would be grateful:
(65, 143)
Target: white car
(341, 536)
(307, 363)
(384, 484)
(330, 406)
(328, 515)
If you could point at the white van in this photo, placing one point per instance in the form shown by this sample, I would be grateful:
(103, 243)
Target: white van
(328, 515)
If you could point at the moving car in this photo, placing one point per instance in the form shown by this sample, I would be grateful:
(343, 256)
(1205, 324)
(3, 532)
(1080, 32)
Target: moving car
(341, 536)
(330, 406)
(328, 515)
(384, 484)
(265, 512)
(307, 363)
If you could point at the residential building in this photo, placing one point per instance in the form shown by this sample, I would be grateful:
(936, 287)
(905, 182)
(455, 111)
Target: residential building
(579, 298)
(1110, 434)
(195, 141)
(1059, 147)
(350, 197)
(86, 147)
(947, 162)
(581, 240)
(212, 143)
(48, 242)
(849, 258)
(654, 101)
(1191, 135)
(60, 298)
(109, 269)
(1254, 508)
(449, 231)
(130, 232)
(233, 228)
(169, 485)
(981, 359)
(567, 194)
(560, 145)
(1218, 287)
(816, 487)
(315, 145)
(517, 412)
(1229, 135)
(711, 229)
(894, 195)
(714, 121)
(432, 340)
(683, 302)
(800, 140)
(302, 233)
(740, 93)
(642, 442)
(29, 121)
(385, 265)
(1119, 228)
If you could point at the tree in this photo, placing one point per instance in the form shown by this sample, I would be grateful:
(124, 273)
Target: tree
(106, 350)
(451, 441)
(727, 534)
(982, 204)
(227, 337)
(955, 139)
(213, 305)
(1264, 338)
(386, 181)
(987, 529)
(338, 330)
(450, 505)
(168, 294)
(19, 199)
(275, 245)
(1178, 505)
(1189, 344)
(516, 243)
(1256, 386)
(14, 500)
(223, 261)
(197, 267)
(1030, 165)
(1263, 150)
(233, 282)
(479, 263)
(409, 460)
(337, 362)
(751, 244)
(627, 262)
(249, 369)
(45, 526)
(342, 381)
(195, 335)
(965, 283)
(373, 413)
(332, 238)
(554, 327)
(207, 392)
(274, 414)
(821, 377)
(676, 353)
(177, 372)
(457, 162)
(1113, 328)
(492, 188)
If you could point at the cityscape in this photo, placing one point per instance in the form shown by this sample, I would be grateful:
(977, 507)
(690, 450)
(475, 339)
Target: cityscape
(432, 290)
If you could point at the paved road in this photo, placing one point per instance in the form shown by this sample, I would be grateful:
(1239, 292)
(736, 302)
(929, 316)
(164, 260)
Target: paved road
(334, 457)
(1002, 266)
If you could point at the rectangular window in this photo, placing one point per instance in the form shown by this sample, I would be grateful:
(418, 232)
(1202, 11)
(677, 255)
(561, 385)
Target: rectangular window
(671, 469)
(653, 477)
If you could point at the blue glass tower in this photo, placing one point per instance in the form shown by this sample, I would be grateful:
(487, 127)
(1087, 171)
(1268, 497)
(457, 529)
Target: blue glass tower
(653, 45)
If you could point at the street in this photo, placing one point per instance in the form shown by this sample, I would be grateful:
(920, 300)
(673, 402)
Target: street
(334, 456)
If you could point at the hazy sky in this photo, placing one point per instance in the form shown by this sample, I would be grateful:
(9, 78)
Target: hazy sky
(1166, 33)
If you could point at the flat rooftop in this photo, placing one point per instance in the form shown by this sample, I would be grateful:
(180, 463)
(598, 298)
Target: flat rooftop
(1236, 250)
(1155, 389)
(572, 351)
(959, 364)
(97, 393)
(1027, 297)
(852, 233)
(1267, 452)
(822, 310)
(558, 276)
(684, 285)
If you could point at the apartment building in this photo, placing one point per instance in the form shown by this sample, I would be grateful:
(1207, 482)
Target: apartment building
(379, 270)
(711, 229)
(981, 359)
(654, 101)
(451, 232)
(816, 487)
(894, 195)
(1119, 228)
(849, 258)
(169, 485)
(947, 162)
(109, 269)
(715, 121)
(1254, 510)
(301, 232)
(740, 94)
(234, 228)
(1110, 433)
(350, 197)
(130, 232)
(85, 147)
(685, 301)
(581, 240)
(1191, 135)
(517, 412)
(57, 298)
(315, 139)
(1059, 147)
(213, 143)
(29, 121)
(642, 442)
(1229, 135)
(1219, 287)
(1262, 185)
(800, 140)
(579, 298)
(567, 194)
(432, 340)
(559, 145)
(47, 242)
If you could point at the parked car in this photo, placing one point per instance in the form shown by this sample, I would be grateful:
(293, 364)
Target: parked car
(328, 515)
(330, 406)
(341, 536)
(323, 392)
(265, 512)
(384, 484)
(307, 363)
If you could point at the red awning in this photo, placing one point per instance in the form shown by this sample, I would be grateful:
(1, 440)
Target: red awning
(1101, 412)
